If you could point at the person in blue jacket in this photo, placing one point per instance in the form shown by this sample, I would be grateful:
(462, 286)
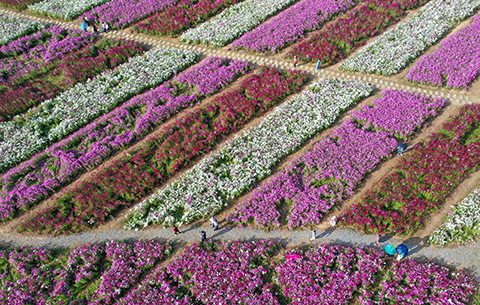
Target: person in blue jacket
(84, 26)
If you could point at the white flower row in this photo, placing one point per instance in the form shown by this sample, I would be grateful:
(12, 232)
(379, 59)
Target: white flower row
(65, 9)
(234, 21)
(54, 119)
(463, 223)
(398, 47)
(249, 157)
(12, 28)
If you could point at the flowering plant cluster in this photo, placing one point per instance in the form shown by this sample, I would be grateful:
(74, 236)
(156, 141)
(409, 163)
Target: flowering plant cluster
(47, 171)
(17, 4)
(227, 272)
(234, 21)
(54, 119)
(65, 9)
(422, 180)
(462, 224)
(121, 13)
(329, 274)
(35, 68)
(455, 64)
(320, 179)
(249, 157)
(397, 48)
(291, 25)
(338, 39)
(89, 274)
(181, 16)
(194, 134)
(14, 27)
(411, 282)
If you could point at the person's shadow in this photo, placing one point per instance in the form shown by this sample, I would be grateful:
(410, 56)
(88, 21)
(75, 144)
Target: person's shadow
(415, 244)
(326, 233)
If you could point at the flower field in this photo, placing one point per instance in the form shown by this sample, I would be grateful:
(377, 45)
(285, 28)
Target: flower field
(52, 61)
(462, 224)
(259, 272)
(181, 16)
(397, 48)
(320, 179)
(343, 35)
(422, 180)
(121, 13)
(91, 145)
(291, 25)
(233, 22)
(55, 119)
(17, 4)
(14, 27)
(177, 146)
(455, 64)
(64, 9)
(250, 156)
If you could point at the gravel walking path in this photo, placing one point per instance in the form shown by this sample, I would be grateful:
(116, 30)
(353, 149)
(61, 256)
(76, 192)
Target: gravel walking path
(467, 256)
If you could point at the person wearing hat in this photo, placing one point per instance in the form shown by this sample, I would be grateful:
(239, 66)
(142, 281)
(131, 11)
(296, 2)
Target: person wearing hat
(391, 250)
(402, 251)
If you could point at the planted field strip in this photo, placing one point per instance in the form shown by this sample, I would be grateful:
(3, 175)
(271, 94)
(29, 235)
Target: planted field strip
(46, 172)
(55, 119)
(248, 158)
(233, 22)
(178, 145)
(397, 48)
(455, 63)
(181, 16)
(259, 272)
(349, 31)
(422, 180)
(64, 9)
(40, 66)
(17, 4)
(314, 183)
(12, 28)
(291, 25)
(121, 13)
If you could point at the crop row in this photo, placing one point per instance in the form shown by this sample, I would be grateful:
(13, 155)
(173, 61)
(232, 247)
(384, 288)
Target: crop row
(121, 13)
(65, 9)
(260, 272)
(397, 48)
(233, 22)
(40, 66)
(249, 157)
(176, 146)
(462, 224)
(291, 25)
(319, 180)
(55, 119)
(14, 27)
(338, 39)
(455, 63)
(422, 180)
(181, 16)
(46, 172)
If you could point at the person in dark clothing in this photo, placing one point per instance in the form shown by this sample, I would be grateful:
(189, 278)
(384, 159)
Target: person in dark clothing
(401, 148)
(203, 234)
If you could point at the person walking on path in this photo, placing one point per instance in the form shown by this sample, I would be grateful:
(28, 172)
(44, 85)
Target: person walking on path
(333, 221)
(176, 231)
(319, 62)
(83, 27)
(295, 61)
(401, 148)
(314, 235)
(402, 251)
(391, 250)
(203, 234)
(105, 27)
(377, 240)
(214, 223)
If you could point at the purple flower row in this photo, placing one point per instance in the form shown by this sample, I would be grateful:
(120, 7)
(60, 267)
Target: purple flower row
(121, 13)
(456, 63)
(329, 274)
(291, 25)
(323, 177)
(42, 175)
